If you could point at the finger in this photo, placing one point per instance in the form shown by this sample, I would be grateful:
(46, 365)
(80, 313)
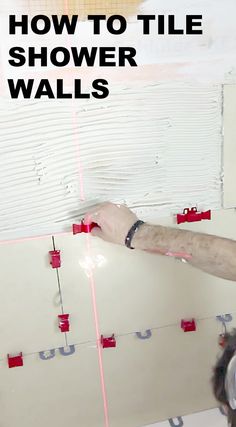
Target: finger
(92, 217)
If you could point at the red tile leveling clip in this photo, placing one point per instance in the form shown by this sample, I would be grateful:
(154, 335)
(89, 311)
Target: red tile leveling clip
(55, 259)
(108, 342)
(192, 215)
(83, 228)
(64, 323)
(15, 361)
(188, 325)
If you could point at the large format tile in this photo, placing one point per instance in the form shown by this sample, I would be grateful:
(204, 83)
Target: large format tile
(29, 298)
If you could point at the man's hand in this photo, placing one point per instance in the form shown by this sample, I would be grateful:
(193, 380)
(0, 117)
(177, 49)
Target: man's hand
(212, 254)
(114, 221)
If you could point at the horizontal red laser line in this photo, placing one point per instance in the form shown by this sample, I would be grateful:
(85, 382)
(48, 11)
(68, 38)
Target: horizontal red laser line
(28, 239)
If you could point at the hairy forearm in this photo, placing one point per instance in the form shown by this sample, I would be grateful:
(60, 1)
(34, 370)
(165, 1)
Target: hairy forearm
(212, 254)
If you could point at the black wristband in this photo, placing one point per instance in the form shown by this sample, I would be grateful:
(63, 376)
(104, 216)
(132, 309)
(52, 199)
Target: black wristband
(131, 233)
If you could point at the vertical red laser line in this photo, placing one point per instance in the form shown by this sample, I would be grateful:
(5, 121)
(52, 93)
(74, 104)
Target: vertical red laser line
(93, 293)
(94, 303)
(92, 287)
(66, 7)
(80, 170)
(91, 276)
(98, 335)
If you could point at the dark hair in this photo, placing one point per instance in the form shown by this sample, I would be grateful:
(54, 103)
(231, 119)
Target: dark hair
(219, 375)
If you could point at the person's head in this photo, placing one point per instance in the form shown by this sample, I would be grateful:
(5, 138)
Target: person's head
(224, 378)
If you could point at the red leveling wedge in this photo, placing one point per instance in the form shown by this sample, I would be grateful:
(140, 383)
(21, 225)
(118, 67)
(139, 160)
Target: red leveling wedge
(83, 228)
(192, 215)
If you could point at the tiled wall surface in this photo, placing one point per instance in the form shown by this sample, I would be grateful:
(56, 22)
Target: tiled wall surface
(106, 289)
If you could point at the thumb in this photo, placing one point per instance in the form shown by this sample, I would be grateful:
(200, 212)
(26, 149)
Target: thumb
(97, 232)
